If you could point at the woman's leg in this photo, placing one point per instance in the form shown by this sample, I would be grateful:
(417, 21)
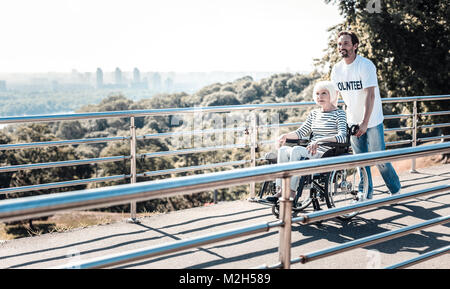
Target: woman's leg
(298, 153)
(284, 155)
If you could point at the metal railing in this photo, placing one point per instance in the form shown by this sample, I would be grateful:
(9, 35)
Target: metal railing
(25, 208)
(253, 143)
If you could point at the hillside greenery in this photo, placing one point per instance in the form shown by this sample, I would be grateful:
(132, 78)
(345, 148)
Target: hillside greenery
(276, 89)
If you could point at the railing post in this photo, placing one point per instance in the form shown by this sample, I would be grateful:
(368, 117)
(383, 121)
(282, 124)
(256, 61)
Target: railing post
(215, 196)
(285, 230)
(253, 147)
(414, 133)
(133, 218)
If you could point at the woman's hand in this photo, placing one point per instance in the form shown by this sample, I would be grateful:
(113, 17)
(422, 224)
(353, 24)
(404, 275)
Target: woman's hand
(282, 140)
(312, 147)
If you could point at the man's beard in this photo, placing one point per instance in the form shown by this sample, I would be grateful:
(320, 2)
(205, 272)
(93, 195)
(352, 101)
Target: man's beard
(344, 53)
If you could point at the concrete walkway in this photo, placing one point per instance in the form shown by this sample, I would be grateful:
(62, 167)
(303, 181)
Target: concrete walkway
(61, 248)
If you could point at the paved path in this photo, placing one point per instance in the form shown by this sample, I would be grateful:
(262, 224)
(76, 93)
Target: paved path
(246, 252)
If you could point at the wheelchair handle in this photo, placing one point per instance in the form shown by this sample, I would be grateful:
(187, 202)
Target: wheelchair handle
(353, 129)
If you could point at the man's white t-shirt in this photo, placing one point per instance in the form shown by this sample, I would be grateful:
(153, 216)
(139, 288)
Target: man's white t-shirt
(350, 80)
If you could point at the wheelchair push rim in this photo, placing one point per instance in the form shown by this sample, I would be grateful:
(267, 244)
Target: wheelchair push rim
(343, 189)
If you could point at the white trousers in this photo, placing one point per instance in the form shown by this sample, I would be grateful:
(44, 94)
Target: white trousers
(294, 154)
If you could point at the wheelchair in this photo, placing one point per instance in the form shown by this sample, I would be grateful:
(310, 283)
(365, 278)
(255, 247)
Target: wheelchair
(333, 189)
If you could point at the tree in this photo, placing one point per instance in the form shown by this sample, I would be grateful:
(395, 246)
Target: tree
(39, 133)
(220, 98)
(408, 41)
(70, 130)
(6, 158)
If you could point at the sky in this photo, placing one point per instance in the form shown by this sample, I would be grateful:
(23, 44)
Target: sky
(163, 35)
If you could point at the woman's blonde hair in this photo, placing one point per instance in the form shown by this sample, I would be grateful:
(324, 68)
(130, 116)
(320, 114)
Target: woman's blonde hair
(328, 85)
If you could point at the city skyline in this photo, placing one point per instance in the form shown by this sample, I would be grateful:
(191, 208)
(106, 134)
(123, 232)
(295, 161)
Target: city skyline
(118, 79)
(172, 35)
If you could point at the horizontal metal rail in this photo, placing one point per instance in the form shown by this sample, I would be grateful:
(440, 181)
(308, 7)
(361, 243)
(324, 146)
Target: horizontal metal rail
(45, 205)
(434, 113)
(62, 184)
(433, 138)
(370, 240)
(399, 142)
(190, 151)
(395, 116)
(415, 98)
(61, 143)
(152, 251)
(62, 164)
(398, 129)
(434, 125)
(192, 168)
(189, 110)
(190, 133)
(421, 258)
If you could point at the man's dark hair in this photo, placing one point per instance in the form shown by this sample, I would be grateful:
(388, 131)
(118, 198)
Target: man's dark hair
(352, 36)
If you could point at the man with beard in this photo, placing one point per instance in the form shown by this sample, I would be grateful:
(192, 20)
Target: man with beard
(355, 79)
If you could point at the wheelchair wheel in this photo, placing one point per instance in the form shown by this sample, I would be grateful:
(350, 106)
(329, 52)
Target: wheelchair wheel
(276, 210)
(301, 200)
(343, 189)
(303, 197)
(303, 204)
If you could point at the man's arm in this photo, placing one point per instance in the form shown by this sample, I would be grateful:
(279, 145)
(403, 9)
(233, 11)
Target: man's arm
(368, 107)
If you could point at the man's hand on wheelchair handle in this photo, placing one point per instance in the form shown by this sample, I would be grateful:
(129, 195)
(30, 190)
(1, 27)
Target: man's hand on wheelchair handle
(362, 129)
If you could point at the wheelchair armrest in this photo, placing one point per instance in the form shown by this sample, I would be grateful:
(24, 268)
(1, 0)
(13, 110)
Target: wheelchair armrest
(301, 142)
(335, 144)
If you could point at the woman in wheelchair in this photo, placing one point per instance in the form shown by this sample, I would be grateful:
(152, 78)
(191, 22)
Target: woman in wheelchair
(323, 125)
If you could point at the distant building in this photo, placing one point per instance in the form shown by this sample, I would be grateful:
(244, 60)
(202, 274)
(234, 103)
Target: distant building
(2, 85)
(87, 77)
(99, 78)
(156, 82)
(137, 83)
(118, 77)
(168, 84)
(136, 75)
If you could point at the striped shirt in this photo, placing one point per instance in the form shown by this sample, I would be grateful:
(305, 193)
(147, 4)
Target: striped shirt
(325, 124)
